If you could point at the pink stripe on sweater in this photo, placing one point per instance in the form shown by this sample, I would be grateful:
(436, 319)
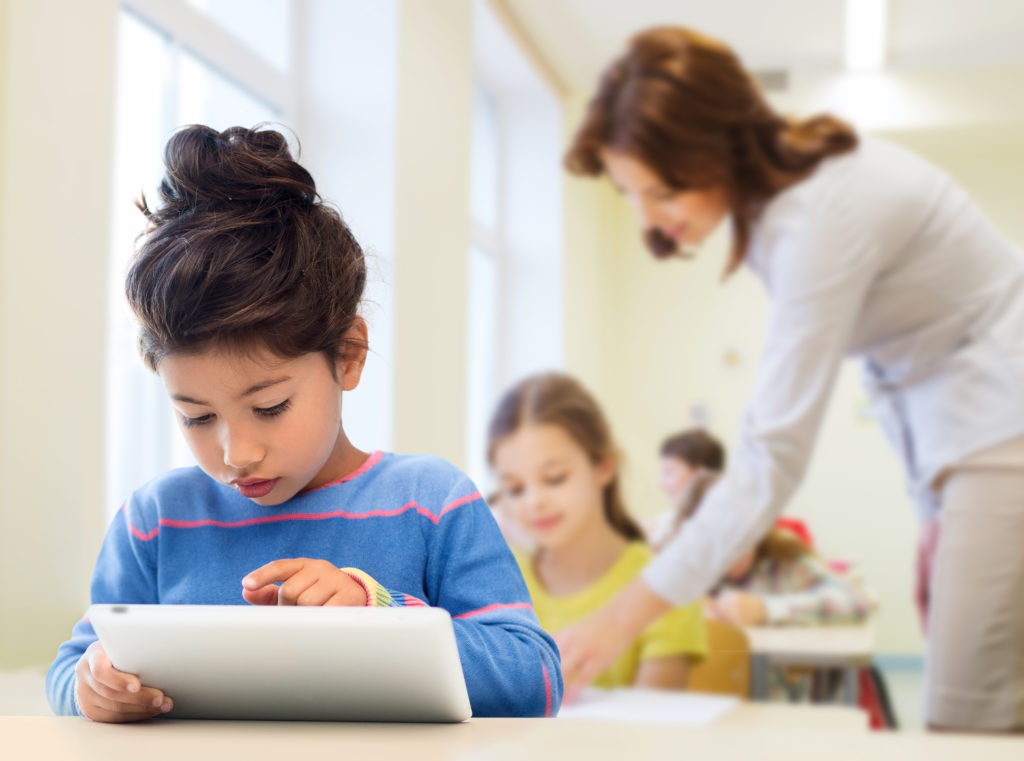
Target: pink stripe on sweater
(173, 523)
(458, 503)
(372, 460)
(495, 606)
(547, 691)
(143, 537)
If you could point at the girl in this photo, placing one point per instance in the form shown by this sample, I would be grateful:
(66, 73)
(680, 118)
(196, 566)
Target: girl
(683, 456)
(246, 289)
(687, 458)
(865, 250)
(552, 451)
(781, 581)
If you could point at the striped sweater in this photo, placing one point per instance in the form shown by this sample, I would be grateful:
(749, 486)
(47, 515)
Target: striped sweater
(413, 523)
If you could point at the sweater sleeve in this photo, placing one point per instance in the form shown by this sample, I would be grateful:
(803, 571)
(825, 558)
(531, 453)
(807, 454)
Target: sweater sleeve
(124, 572)
(511, 665)
(821, 258)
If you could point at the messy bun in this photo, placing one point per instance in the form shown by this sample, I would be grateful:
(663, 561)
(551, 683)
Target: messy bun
(216, 170)
(242, 253)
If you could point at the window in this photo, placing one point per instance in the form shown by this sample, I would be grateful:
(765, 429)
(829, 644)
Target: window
(483, 276)
(165, 79)
(515, 298)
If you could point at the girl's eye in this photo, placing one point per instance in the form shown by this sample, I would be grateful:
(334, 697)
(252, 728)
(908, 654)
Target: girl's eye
(556, 480)
(513, 491)
(201, 420)
(274, 411)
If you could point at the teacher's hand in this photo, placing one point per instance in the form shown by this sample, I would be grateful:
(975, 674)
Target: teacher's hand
(592, 645)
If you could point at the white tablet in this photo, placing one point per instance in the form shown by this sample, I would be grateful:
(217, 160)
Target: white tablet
(299, 663)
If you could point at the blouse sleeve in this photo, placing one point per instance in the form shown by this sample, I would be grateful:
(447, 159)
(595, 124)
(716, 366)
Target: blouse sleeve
(819, 265)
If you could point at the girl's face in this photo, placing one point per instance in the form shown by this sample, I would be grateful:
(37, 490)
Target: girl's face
(676, 475)
(686, 216)
(549, 484)
(266, 426)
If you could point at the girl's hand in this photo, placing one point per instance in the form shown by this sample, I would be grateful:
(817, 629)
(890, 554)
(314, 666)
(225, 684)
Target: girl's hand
(741, 608)
(106, 694)
(303, 581)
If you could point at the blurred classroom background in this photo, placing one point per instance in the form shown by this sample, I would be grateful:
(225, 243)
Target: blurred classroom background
(437, 128)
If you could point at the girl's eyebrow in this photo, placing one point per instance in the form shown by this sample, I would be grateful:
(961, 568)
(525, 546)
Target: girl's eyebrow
(248, 392)
(553, 461)
(263, 385)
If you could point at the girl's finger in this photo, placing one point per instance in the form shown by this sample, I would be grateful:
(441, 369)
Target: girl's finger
(318, 594)
(290, 590)
(278, 570)
(263, 596)
(91, 699)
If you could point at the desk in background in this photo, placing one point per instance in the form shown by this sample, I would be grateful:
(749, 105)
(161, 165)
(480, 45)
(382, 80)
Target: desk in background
(849, 648)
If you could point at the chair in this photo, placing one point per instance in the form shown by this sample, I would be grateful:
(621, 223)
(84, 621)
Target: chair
(726, 668)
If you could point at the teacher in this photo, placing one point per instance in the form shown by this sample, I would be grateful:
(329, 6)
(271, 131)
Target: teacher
(865, 250)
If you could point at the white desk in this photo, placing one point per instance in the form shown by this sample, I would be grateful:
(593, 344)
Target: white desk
(71, 739)
(846, 647)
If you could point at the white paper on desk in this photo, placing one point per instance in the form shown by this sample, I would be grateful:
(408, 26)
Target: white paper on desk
(647, 706)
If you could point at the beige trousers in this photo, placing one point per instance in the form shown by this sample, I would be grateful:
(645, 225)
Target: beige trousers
(975, 655)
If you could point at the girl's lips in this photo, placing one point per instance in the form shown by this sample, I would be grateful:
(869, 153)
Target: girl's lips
(256, 489)
(545, 523)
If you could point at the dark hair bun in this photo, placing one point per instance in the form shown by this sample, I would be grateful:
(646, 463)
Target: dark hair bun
(243, 252)
(239, 166)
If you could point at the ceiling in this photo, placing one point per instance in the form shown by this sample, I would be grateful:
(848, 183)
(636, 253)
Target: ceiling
(579, 37)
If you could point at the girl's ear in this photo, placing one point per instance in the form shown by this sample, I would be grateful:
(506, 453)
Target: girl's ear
(606, 469)
(350, 363)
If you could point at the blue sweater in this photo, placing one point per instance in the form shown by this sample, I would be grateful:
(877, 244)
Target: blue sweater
(414, 523)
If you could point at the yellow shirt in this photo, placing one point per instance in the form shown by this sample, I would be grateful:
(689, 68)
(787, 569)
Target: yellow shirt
(678, 632)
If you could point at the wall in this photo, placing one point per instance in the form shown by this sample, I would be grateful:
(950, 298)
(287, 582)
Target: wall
(56, 121)
(346, 121)
(590, 256)
(432, 226)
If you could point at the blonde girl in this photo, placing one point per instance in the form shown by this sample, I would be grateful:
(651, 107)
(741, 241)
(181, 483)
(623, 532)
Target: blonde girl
(551, 448)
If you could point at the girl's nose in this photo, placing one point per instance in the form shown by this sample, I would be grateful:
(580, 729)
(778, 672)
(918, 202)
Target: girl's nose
(241, 448)
(533, 499)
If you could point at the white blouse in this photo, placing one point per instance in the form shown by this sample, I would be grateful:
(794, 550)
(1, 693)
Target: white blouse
(879, 255)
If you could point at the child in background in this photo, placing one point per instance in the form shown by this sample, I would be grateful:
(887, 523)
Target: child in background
(246, 288)
(779, 582)
(687, 460)
(552, 450)
(782, 582)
